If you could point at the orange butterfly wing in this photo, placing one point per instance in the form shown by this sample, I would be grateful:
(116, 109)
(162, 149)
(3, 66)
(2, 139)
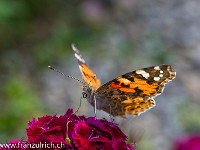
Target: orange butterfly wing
(133, 92)
(88, 75)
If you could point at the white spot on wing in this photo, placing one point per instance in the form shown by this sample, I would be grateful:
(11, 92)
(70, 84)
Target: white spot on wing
(79, 58)
(157, 68)
(156, 78)
(74, 48)
(143, 73)
(161, 71)
(146, 75)
(160, 75)
(140, 71)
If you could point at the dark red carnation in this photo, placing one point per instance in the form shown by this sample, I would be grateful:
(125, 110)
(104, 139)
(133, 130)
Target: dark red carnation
(75, 132)
(187, 142)
(86, 137)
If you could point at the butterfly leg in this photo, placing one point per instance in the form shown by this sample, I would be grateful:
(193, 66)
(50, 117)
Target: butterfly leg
(79, 105)
(112, 120)
(95, 107)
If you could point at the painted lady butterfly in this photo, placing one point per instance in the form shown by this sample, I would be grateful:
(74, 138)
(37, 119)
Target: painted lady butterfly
(131, 93)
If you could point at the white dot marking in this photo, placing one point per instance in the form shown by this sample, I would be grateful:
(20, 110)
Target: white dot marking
(156, 78)
(140, 72)
(146, 75)
(157, 68)
(160, 75)
(79, 58)
(143, 73)
(161, 71)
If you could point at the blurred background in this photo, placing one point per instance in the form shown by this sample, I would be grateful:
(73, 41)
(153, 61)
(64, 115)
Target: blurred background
(114, 37)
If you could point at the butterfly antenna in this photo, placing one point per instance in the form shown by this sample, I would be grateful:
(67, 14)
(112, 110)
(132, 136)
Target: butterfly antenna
(95, 107)
(50, 67)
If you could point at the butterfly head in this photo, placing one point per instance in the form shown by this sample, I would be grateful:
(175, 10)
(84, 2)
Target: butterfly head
(87, 92)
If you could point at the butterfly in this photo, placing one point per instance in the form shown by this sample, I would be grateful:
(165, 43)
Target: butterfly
(131, 93)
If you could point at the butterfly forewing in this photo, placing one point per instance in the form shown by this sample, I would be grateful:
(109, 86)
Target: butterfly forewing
(88, 75)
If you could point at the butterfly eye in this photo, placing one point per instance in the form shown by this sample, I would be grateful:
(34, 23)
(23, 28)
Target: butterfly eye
(84, 95)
